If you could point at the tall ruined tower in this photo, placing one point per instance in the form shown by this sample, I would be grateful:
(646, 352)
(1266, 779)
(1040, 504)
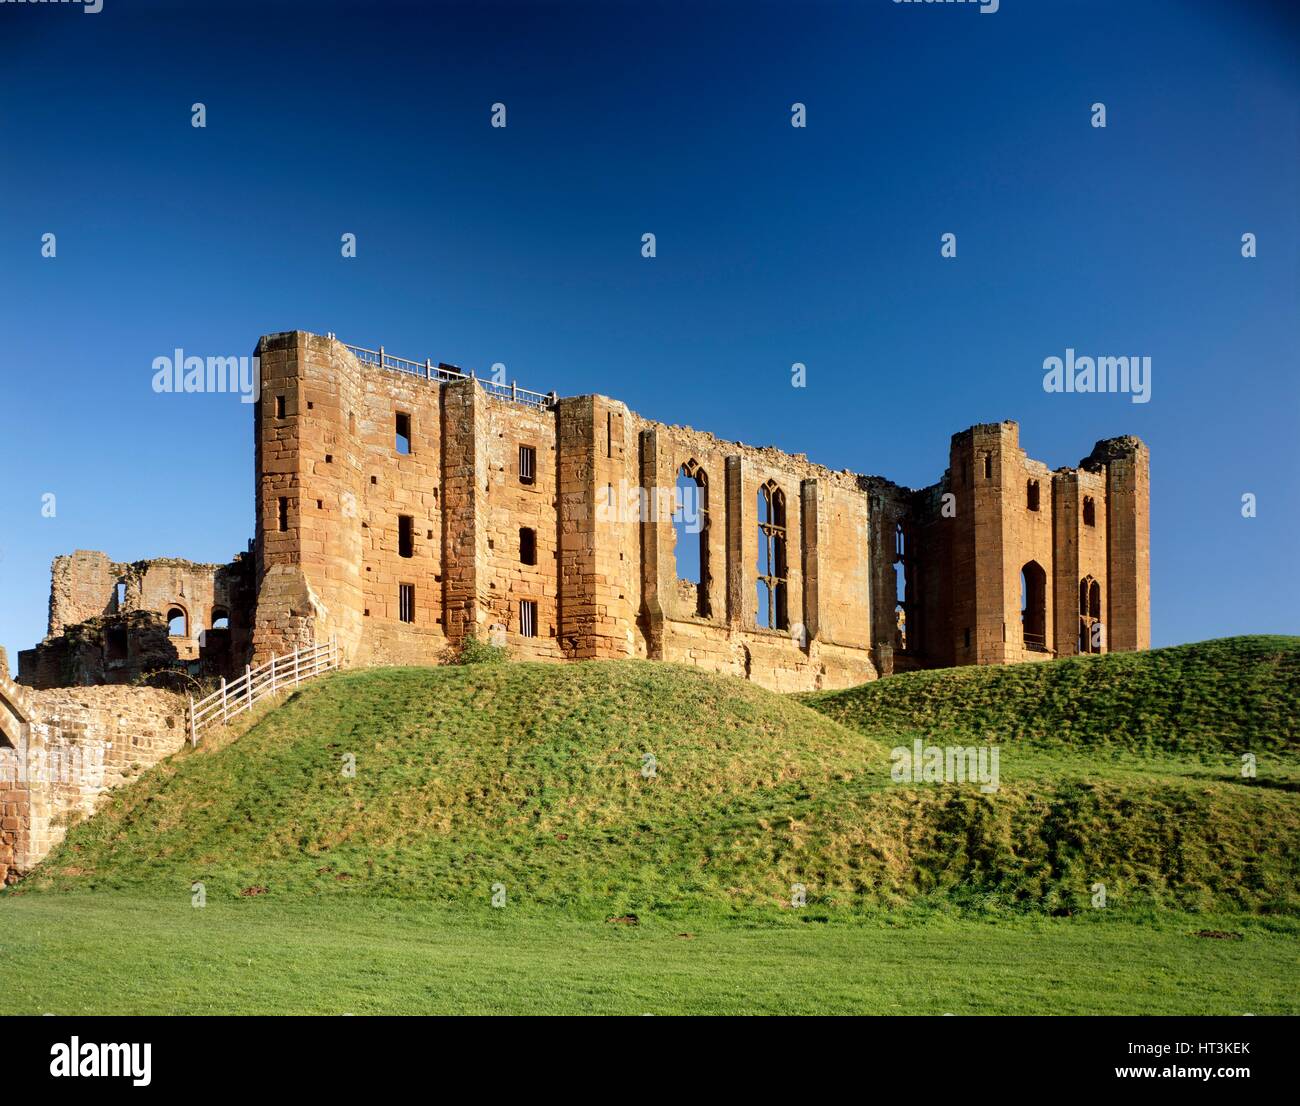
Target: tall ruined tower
(309, 487)
(1047, 563)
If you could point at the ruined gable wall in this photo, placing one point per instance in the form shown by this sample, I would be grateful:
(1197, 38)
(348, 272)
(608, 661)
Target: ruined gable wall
(82, 586)
(999, 535)
(86, 612)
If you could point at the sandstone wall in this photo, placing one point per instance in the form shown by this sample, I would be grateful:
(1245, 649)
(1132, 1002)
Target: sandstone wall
(876, 578)
(61, 750)
(109, 620)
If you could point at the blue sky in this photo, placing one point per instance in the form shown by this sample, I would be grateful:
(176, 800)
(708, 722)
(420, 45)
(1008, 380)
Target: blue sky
(522, 245)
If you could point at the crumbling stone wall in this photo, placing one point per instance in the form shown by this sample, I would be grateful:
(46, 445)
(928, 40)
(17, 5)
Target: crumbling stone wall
(877, 578)
(61, 750)
(109, 620)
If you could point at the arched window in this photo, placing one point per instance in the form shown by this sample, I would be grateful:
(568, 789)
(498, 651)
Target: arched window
(773, 607)
(691, 530)
(178, 622)
(1033, 606)
(1090, 625)
(220, 619)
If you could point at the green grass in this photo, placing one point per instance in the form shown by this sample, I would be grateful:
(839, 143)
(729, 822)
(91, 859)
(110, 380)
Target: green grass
(1232, 695)
(532, 776)
(116, 954)
(328, 892)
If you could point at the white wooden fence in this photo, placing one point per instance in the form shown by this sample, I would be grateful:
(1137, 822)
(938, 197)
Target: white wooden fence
(268, 679)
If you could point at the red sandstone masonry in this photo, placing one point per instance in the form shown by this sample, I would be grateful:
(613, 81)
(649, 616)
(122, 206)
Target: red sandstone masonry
(605, 582)
(62, 750)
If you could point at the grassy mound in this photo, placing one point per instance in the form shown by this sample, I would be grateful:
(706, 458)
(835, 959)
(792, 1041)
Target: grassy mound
(1233, 695)
(626, 787)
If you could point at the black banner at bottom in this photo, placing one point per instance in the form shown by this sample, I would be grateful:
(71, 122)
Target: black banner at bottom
(334, 1054)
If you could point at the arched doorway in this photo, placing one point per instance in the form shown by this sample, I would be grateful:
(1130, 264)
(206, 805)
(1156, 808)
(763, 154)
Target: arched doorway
(1033, 606)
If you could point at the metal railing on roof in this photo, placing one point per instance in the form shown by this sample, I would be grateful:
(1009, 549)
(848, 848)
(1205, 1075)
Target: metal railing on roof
(443, 373)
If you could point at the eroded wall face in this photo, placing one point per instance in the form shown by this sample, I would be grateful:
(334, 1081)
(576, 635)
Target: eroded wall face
(75, 746)
(310, 498)
(400, 516)
(517, 496)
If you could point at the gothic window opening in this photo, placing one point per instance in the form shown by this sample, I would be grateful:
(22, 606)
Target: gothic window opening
(902, 572)
(1090, 625)
(1089, 511)
(1091, 629)
(773, 604)
(1033, 606)
(691, 532)
(178, 622)
(1031, 495)
(220, 619)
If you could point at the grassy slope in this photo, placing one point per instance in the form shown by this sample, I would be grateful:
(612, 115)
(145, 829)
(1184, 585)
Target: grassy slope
(1233, 695)
(530, 776)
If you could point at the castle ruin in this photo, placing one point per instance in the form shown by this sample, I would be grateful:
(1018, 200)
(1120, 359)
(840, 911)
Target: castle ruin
(401, 506)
